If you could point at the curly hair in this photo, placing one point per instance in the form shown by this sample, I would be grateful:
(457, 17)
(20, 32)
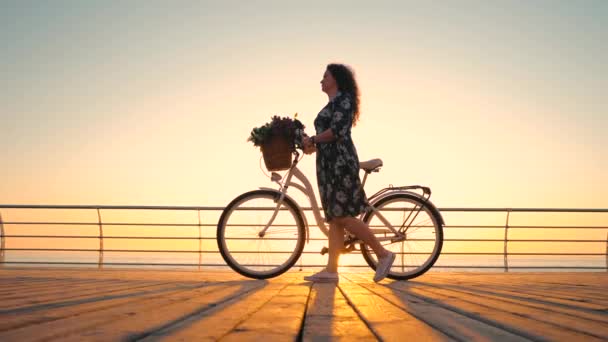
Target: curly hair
(346, 82)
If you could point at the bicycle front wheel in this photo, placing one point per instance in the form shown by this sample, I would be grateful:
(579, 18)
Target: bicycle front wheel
(421, 223)
(247, 248)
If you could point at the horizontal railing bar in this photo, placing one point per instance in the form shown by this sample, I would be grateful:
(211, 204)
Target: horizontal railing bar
(220, 208)
(142, 224)
(464, 266)
(520, 240)
(254, 225)
(524, 253)
(148, 237)
(143, 237)
(144, 250)
(109, 207)
(527, 227)
(106, 263)
(522, 267)
(112, 224)
(307, 266)
(108, 250)
(275, 239)
(109, 237)
(527, 210)
(304, 252)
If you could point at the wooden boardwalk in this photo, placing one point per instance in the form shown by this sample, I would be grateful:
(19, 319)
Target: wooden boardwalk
(118, 305)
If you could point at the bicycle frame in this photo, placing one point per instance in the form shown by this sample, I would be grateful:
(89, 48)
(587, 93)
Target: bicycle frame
(306, 188)
(395, 216)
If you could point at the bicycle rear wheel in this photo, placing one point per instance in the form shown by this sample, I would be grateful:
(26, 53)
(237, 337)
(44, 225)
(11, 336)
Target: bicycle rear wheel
(424, 234)
(239, 240)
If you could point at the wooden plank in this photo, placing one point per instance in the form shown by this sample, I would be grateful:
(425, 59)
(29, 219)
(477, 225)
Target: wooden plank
(592, 315)
(220, 320)
(279, 319)
(25, 289)
(535, 324)
(12, 319)
(546, 312)
(388, 321)
(569, 288)
(330, 317)
(555, 293)
(130, 318)
(456, 325)
(67, 293)
(62, 289)
(114, 304)
(142, 323)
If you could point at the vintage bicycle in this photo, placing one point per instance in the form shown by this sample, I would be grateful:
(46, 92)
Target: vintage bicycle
(261, 233)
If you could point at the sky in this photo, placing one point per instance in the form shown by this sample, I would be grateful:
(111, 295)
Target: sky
(491, 104)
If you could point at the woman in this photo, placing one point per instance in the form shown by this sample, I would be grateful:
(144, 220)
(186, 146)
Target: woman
(342, 197)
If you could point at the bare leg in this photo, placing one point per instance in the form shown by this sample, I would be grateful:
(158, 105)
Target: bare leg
(361, 230)
(336, 243)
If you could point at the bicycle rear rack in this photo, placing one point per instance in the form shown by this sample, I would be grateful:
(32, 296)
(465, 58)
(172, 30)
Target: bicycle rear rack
(426, 191)
(425, 196)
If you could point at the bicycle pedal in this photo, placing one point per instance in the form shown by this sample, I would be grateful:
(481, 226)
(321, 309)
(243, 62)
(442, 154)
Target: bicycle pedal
(324, 250)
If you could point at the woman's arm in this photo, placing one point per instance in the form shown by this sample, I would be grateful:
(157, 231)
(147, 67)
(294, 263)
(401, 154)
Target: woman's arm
(324, 137)
(340, 124)
(310, 142)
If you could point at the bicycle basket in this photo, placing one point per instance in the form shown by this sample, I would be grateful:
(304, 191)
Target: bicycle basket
(277, 153)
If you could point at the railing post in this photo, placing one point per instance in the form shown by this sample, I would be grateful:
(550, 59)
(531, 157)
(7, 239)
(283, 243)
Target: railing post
(607, 252)
(2, 241)
(200, 241)
(100, 261)
(506, 253)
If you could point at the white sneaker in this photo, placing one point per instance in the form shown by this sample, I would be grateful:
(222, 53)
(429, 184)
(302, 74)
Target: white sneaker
(384, 265)
(323, 277)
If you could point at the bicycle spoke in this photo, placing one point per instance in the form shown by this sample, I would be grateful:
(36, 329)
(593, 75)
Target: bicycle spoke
(239, 235)
(421, 246)
(281, 232)
(418, 224)
(414, 229)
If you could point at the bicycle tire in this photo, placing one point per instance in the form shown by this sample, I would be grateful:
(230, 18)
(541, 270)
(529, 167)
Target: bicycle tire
(401, 269)
(251, 263)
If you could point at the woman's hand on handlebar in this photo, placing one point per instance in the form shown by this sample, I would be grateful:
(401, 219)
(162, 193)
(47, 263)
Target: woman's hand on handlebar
(308, 146)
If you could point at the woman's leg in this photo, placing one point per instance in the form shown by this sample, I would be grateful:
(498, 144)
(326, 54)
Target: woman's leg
(336, 244)
(361, 230)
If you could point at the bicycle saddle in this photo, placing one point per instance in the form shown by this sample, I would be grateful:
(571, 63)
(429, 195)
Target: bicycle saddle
(370, 165)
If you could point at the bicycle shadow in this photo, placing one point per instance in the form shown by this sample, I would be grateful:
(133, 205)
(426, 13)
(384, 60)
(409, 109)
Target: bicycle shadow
(125, 305)
(241, 291)
(446, 312)
(74, 291)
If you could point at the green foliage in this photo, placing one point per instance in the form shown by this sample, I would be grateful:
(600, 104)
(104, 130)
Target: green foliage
(278, 126)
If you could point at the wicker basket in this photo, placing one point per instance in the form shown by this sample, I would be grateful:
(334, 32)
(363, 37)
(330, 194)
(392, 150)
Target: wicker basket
(277, 154)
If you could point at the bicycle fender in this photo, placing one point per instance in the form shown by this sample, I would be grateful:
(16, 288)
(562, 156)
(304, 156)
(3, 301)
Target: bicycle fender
(414, 194)
(289, 198)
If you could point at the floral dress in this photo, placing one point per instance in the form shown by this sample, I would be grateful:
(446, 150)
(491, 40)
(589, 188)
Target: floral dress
(337, 161)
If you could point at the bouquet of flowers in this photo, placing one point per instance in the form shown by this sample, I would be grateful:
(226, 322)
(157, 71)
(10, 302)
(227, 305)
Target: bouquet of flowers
(277, 127)
(277, 139)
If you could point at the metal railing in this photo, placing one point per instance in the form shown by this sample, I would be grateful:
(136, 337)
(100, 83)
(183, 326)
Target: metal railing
(201, 224)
